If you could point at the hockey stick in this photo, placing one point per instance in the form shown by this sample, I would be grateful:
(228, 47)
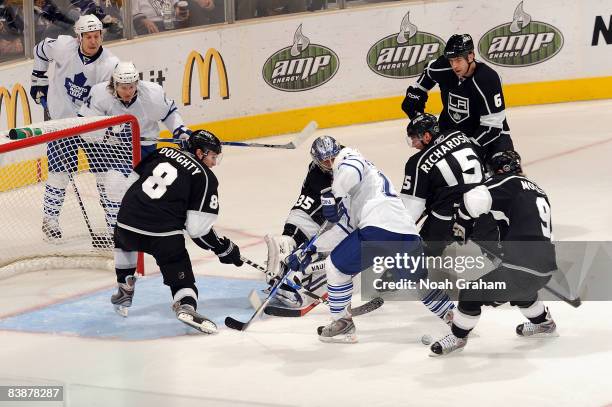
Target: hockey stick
(369, 306)
(242, 326)
(301, 137)
(574, 302)
(94, 237)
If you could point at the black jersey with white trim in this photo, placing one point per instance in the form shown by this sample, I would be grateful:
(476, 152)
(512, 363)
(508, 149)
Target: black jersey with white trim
(520, 207)
(305, 216)
(522, 211)
(439, 174)
(474, 105)
(170, 183)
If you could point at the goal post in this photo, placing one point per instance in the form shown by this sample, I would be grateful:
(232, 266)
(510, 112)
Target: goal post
(61, 185)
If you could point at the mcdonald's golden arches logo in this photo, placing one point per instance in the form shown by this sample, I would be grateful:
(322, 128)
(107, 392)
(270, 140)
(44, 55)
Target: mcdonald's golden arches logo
(204, 70)
(9, 99)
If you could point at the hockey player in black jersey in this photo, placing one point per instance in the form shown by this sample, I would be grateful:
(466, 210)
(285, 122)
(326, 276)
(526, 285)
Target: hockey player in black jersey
(472, 97)
(304, 220)
(436, 178)
(171, 191)
(522, 211)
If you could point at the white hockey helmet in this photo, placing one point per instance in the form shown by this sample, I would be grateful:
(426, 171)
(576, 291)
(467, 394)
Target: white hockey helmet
(125, 72)
(87, 23)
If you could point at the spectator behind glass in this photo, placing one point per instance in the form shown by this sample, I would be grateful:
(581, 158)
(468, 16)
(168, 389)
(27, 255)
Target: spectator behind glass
(264, 8)
(203, 12)
(57, 17)
(11, 32)
(152, 16)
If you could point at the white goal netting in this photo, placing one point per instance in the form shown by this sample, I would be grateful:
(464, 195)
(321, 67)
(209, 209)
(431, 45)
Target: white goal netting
(61, 184)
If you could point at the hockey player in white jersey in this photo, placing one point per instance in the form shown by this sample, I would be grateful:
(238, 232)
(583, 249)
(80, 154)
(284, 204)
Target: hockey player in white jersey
(366, 211)
(124, 93)
(79, 64)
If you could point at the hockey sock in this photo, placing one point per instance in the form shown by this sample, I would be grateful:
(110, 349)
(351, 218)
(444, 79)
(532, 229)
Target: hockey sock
(55, 192)
(464, 320)
(111, 210)
(340, 289)
(536, 312)
(186, 295)
(53, 201)
(122, 274)
(438, 302)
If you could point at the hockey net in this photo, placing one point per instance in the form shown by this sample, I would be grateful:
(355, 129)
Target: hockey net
(61, 183)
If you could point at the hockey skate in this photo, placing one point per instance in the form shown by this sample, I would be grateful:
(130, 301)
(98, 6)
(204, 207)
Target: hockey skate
(338, 331)
(450, 343)
(447, 318)
(547, 328)
(122, 300)
(51, 229)
(188, 315)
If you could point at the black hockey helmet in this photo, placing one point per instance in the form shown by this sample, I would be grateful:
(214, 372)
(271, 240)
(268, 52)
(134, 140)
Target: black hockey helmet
(508, 162)
(205, 141)
(458, 45)
(424, 122)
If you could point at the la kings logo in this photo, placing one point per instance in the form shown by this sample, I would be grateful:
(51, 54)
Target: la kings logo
(405, 54)
(76, 88)
(522, 42)
(458, 107)
(300, 67)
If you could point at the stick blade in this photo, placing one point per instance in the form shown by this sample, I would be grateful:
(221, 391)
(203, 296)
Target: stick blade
(304, 134)
(369, 306)
(235, 324)
(254, 300)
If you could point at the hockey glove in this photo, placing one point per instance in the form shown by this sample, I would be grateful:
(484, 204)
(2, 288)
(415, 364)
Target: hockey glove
(228, 252)
(40, 86)
(464, 225)
(300, 259)
(329, 207)
(414, 102)
(182, 133)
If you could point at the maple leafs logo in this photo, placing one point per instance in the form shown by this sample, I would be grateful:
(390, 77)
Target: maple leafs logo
(76, 88)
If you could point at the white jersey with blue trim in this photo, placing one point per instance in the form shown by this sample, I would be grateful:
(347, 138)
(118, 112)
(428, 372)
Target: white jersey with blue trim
(150, 106)
(74, 74)
(368, 196)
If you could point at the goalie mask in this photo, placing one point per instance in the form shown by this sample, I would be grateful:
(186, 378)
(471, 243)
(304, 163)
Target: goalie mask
(124, 82)
(324, 149)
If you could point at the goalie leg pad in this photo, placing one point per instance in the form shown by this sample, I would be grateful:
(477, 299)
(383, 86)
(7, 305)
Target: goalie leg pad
(279, 247)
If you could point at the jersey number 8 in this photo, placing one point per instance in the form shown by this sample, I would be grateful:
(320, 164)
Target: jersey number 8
(156, 185)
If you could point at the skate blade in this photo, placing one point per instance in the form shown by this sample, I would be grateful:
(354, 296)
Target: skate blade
(207, 326)
(346, 338)
(121, 310)
(435, 355)
(542, 335)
